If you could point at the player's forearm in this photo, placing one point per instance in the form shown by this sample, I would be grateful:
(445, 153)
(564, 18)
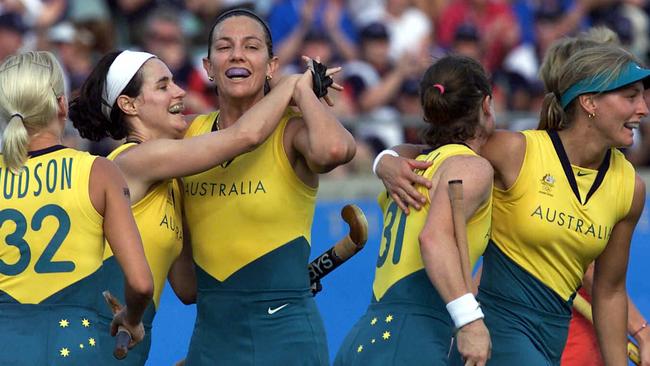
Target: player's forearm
(636, 323)
(136, 300)
(182, 275)
(329, 143)
(256, 124)
(442, 264)
(610, 314)
(208, 150)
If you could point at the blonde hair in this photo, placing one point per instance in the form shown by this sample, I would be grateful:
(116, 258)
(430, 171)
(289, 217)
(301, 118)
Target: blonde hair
(30, 85)
(555, 59)
(602, 60)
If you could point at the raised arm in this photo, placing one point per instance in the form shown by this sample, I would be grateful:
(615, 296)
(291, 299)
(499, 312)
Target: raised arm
(156, 160)
(440, 252)
(318, 137)
(505, 150)
(609, 294)
(110, 196)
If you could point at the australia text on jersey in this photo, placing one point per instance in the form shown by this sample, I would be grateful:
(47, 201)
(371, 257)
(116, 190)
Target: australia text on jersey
(224, 189)
(572, 222)
(55, 174)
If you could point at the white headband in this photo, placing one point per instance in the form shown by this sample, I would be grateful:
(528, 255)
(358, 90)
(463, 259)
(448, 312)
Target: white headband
(122, 70)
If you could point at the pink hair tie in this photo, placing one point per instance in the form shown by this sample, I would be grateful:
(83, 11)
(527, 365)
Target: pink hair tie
(439, 87)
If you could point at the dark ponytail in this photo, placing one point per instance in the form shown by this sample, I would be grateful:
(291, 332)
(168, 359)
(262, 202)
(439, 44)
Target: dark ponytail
(86, 109)
(451, 94)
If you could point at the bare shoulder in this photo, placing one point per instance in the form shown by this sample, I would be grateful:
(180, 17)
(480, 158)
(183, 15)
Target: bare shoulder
(105, 173)
(466, 165)
(504, 143)
(105, 177)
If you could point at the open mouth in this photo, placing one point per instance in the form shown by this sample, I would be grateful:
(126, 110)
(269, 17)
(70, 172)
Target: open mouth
(237, 73)
(176, 108)
(631, 125)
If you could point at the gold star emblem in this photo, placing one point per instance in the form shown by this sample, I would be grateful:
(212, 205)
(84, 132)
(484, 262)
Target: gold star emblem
(389, 318)
(91, 341)
(85, 322)
(386, 335)
(63, 323)
(373, 341)
(360, 348)
(373, 321)
(81, 345)
(64, 352)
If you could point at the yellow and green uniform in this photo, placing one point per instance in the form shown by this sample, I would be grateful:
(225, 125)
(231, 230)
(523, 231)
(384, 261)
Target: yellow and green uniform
(554, 220)
(159, 219)
(250, 223)
(407, 322)
(51, 249)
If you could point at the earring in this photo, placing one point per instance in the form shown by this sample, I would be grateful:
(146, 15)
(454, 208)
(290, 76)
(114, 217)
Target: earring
(269, 77)
(591, 115)
(210, 78)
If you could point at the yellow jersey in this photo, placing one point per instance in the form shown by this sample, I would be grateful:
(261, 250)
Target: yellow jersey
(244, 209)
(52, 236)
(557, 218)
(399, 251)
(158, 216)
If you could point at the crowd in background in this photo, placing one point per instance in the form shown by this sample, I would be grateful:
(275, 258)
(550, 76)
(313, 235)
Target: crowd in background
(383, 45)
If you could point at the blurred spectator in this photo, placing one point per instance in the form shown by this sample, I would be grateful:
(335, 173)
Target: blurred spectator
(164, 38)
(409, 28)
(467, 42)
(432, 8)
(36, 13)
(292, 20)
(639, 22)
(375, 45)
(317, 45)
(205, 12)
(366, 11)
(131, 14)
(495, 21)
(12, 30)
(73, 49)
(94, 17)
(574, 15)
(375, 80)
(526, 58)
(409, 106)
(373, 84)
(629, 21)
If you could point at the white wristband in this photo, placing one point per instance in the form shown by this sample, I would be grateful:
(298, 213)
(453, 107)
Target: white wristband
(464, 309)
(380, 155)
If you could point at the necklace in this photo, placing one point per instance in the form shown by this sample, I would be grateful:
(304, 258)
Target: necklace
(216, 123)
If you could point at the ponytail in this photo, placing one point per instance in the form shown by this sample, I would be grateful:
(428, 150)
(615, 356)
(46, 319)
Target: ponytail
(15, 142)
(552, 116)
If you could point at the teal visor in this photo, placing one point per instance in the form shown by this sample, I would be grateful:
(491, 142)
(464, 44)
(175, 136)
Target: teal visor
(631, 73)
